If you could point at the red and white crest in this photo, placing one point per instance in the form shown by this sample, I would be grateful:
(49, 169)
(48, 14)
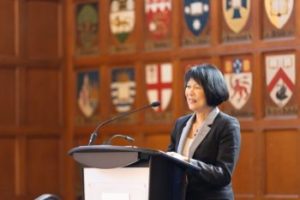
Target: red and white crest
(158, 18)
(280, 77)
(238, 77)
(159, 84)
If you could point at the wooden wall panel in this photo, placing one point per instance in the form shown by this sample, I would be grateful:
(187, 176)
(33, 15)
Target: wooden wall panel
(7, 27)
(43, 35)
(282, 167)
(245, 169)
(43, 165)
(7, 168)
(8, 96)
(31, 152)
(156, 141)
(43, 99)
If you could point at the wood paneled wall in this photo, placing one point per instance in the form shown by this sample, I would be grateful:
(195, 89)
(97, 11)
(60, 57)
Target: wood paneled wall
(38, 68)
(31, 98)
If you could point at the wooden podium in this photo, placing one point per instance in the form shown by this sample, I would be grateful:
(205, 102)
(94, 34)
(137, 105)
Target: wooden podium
(130, 173)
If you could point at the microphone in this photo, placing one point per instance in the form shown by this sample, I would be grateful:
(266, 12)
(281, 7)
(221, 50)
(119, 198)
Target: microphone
(95, 132)
(125, 137)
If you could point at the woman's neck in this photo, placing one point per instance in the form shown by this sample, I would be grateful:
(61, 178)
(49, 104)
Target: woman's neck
(202, 115)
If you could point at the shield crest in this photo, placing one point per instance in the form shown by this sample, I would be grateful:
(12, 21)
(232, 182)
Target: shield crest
(159, 84)
(87, 92)
(196, 15)
(87, 28)
(238, 77)
(280, 78)
(123, 89)
(236, 13)
(122, 18)
(279, 11)
(158, 18)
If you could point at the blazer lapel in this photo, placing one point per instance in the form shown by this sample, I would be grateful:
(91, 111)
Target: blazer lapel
(184, 134)
(199, 138)
(203, 131)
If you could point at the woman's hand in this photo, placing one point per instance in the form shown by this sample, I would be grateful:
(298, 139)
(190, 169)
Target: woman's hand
(178, 156)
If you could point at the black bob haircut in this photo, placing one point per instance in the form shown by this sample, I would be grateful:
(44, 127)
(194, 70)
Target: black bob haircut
(212, 82)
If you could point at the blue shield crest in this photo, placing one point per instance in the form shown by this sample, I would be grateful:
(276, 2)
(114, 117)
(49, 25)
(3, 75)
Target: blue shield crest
(196, 14)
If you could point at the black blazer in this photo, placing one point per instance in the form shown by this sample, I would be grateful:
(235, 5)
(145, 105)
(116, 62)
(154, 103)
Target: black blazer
(216, 157)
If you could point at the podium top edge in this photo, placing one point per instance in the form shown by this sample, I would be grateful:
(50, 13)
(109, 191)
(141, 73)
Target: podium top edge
(110, 148)
(120, 149)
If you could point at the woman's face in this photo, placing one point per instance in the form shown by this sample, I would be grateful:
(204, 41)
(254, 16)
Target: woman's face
(195, 96)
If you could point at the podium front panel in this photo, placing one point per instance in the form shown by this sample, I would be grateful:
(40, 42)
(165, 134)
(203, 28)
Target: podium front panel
(130, 183)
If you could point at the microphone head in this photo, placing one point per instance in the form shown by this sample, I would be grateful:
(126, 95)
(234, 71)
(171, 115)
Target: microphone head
(129, 138)
(155, 104)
